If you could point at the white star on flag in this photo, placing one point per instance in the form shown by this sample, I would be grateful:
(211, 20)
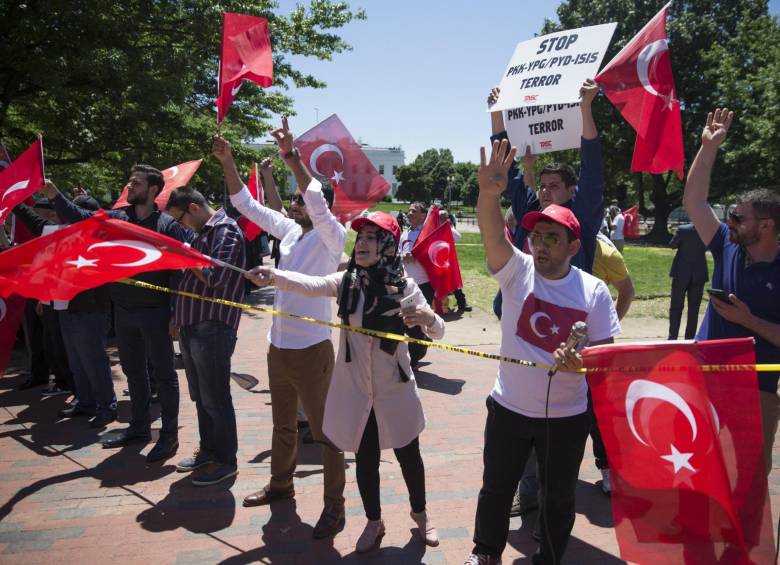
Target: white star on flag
(82, 262)
(554, 329)
(679, 460)
(338, 176)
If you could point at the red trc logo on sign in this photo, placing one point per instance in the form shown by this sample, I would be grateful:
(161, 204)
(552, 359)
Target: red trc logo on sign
(530, 97)
(547, 144)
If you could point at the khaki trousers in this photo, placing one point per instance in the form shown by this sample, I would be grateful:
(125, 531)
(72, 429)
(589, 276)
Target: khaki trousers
(770, 411)
(302, 374)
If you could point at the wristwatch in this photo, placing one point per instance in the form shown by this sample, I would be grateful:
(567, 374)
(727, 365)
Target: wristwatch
(291, 154)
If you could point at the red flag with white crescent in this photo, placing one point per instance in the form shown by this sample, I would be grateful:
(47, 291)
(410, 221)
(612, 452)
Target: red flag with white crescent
(255, 187)
(245, 55)
(639, 82)
(330, 152)
(435, 250)
(11, 312)
(685, 450)
(88, 254)
(21, 178)
(174, 177)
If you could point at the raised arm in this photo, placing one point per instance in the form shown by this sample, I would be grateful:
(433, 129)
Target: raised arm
(292, 158)
(220, 148)
(32, 221)
(492, 180)
(273, 200)
(306, 285)
(625, 290)
(66, 210)
(334, 235)
(697, 187)
(588, 92)
(496, 118)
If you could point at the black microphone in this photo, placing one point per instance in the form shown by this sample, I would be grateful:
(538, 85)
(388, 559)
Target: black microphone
(578, 332)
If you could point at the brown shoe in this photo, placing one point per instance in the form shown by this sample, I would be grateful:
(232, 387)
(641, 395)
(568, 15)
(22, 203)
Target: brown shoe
(266, 496)
(331, 522)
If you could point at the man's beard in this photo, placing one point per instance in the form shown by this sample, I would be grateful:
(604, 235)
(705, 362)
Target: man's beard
(139, 199)
(744, 239)
(303, 221)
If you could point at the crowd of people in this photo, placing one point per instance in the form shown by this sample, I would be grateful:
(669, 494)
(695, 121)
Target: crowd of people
(548, 255)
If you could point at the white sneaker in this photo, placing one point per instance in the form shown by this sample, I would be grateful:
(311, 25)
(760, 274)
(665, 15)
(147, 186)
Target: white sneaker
(371, 537)
(606, 482)
(425, 528)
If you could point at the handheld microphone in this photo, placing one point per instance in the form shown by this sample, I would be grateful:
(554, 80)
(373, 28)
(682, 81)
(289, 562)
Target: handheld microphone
(578, 332)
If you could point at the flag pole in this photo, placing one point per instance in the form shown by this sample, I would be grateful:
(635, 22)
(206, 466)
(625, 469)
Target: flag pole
(219, 263)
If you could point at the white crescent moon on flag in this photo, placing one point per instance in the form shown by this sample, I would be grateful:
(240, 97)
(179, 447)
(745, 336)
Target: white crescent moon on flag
(22, 184)
(3, 309)
(433, 253)
(641, 388)
(321, 150)
(174, 171)
(646, 56)
(236, 88)
(535, 318)
(151, 253)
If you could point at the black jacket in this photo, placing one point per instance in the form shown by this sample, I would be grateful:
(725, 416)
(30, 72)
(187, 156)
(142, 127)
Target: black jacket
(689, 261)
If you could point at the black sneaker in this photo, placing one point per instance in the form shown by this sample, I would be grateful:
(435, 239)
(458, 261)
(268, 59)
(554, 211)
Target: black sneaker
(73, 411)
(165, 448)
(331, 522)
(213, 474)
(199, 459)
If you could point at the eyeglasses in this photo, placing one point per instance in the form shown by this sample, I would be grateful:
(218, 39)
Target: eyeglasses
(182, 215)
(297, 199)
(547, 239)
(739, 218)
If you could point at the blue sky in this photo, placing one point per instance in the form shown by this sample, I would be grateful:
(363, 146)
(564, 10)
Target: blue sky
(420, 71)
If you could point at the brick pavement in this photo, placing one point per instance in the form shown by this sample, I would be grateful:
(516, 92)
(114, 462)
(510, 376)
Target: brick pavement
(64, 498)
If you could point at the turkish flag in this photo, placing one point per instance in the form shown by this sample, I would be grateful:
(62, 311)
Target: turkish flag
(546, 325)
(685, 450)
(21, 178)
(631, 225)
(174, 177)
(245, 55)
(435, 250)
(330, 152)
(88, 254)
(639, 82)
(250, 229)
(11, 312)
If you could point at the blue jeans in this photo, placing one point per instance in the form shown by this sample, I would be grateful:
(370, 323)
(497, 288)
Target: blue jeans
(142, 333)
(84, 335)
(206, 349)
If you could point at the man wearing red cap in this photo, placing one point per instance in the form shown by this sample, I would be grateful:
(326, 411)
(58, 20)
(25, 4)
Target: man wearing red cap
(544, 296)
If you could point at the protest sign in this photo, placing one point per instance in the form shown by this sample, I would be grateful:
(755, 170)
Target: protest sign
(545, 128)
(550, 69)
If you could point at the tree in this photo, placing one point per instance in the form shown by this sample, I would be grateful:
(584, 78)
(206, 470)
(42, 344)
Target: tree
(110, 84)
(717, 61)
(426, 178)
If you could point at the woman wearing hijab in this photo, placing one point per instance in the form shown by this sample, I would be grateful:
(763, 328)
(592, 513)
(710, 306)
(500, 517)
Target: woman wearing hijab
(372, 401)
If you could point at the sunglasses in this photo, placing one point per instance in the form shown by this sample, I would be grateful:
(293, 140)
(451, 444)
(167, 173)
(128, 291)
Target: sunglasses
(547, 239)
(297, 199)
(739, 218)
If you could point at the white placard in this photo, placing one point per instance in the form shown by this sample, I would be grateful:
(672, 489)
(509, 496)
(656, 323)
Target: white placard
(545, 128)
(550, 69)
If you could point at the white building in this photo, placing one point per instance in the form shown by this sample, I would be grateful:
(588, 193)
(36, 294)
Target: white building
(386, 161)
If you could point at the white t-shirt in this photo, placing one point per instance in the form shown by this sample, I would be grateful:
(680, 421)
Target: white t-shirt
(413, 268)
(538, 314)
(619, 223)
(316, 252)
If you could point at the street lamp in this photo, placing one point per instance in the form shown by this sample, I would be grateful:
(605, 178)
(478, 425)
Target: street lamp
(450, 178)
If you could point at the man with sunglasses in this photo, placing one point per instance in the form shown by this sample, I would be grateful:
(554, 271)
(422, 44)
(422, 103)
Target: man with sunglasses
(207, 333)
(300, 356)
(544, 296)
(747, 266)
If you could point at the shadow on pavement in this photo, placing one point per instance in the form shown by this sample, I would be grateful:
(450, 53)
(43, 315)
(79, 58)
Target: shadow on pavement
(435, 383)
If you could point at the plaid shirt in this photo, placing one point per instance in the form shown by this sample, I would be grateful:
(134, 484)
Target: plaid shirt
(222, 239)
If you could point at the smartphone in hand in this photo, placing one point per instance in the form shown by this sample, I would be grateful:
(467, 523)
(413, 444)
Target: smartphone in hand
(721, 295)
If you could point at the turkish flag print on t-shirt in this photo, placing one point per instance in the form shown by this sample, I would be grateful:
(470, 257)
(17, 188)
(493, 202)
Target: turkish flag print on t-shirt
(546, 325)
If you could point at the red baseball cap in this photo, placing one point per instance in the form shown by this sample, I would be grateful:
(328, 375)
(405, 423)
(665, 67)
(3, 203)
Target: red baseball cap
(382, 220)
(553, 213)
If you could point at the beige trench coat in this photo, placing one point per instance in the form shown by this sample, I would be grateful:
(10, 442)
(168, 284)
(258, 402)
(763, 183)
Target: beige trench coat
(371, 379)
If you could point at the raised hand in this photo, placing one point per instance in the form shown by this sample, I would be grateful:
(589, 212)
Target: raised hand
(283, 136)
(220, 148)
(493, 173)
(267, 165)
(261, 276)
(49, 190)
(493, 96)
(718, 124)
(588, 91)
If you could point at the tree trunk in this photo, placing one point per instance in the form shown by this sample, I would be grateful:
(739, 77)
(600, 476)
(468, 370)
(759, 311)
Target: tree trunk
(639, 186)
(664, 204)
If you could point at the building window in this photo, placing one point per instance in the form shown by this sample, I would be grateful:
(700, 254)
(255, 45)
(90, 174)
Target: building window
(381, 169)
(395, 168)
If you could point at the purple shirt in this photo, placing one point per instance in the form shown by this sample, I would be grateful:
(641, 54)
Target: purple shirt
(222, 239)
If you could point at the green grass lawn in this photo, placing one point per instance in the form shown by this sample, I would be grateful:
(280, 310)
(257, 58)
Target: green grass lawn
(649, 268)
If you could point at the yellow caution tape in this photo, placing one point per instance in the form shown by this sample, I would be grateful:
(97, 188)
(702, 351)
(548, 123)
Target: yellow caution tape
(443, 346)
